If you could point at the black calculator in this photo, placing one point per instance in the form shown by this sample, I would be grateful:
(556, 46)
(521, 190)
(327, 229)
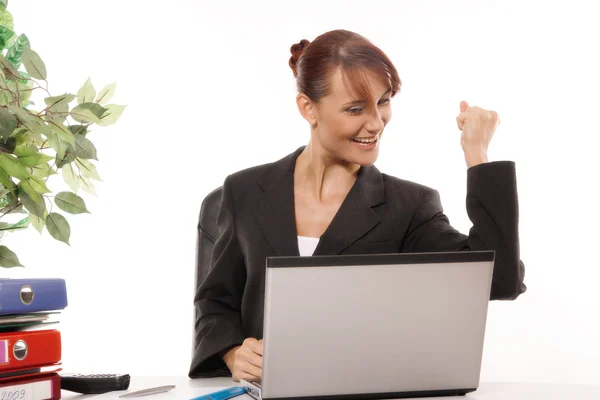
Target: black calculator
(94, 383)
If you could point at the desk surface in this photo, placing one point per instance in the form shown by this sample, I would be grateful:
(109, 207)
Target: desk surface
(189, 388)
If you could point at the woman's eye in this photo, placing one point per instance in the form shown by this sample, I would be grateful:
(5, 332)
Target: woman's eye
(358, 110)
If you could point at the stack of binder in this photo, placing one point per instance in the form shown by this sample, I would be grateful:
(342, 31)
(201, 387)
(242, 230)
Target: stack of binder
(30, 344)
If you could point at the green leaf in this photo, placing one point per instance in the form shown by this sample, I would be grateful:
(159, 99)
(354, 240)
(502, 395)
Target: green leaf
(71, 203)
(4, 199)
(23, 87)
(20, 135)
(28, 156)
(88, 170)
(24, 76)
(9, 145)
(7, 19)
(106, 94)
(84, 148)
(12, 167)
(70, 177)
(5, 35)
(32, 206)
(38, 184)
(58, 227)
(14, 54)
(87, 92)
(79, 129)
(34, 64)
(38, 222)
(5, 97)
(25, 90)
(61, 139)
(54, 102)
(87, 113)
(26, 186)
(113, 114)
(58, 106)
(8, 258)
(44, 158)
(87, 186)
(67, 159)
(22, 224)
(13, 197)
(5, 180)
(34, 124)
(8, 123)
(43, 171)
(8, 69)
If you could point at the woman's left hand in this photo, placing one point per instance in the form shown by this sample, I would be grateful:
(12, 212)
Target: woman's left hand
(478, 127)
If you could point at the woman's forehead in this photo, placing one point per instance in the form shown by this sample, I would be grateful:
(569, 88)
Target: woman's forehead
(357, 85)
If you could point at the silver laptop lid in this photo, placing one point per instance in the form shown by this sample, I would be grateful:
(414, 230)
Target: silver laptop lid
(383, 325)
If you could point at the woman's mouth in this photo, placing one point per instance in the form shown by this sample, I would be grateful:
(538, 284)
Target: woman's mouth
(366, 143)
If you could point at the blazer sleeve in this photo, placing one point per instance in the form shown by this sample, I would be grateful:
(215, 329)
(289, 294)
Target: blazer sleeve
(492, 207)
(218, 299)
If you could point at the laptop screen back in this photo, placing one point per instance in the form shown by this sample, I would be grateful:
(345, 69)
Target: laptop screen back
(374, 324)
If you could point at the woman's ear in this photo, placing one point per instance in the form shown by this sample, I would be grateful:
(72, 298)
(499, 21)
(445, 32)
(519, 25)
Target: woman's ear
(307, 108)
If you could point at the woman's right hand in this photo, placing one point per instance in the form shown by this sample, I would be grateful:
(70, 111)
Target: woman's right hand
(245, 361)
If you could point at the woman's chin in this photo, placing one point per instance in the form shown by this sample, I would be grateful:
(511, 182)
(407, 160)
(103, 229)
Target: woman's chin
(366, 159)
(365, 155)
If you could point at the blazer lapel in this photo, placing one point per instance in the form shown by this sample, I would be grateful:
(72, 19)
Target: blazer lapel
(356, 216)
(276, 216)
(275, 211)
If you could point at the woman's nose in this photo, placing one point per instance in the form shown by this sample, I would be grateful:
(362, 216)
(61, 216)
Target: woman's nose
(375, 123)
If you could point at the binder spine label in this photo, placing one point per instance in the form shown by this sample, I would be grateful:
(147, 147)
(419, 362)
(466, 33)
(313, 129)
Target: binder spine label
(4, 359)
(29, 391)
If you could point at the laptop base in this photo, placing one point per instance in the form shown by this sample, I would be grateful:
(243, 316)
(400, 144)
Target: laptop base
(254, 390)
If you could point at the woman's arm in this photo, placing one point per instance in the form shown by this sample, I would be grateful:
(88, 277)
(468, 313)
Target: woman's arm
(492, 206)
(218, 325)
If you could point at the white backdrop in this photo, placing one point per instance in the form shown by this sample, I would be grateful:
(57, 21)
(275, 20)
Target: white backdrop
(209, 92)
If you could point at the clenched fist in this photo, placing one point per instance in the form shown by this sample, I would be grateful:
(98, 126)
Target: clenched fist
(478, 127)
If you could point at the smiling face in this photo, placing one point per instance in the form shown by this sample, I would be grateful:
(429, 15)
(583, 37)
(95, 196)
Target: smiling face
(347, 127)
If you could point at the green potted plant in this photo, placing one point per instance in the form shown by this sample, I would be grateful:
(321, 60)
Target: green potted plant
(38, 141)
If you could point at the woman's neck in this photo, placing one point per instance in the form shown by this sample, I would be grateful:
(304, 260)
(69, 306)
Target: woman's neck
(323, 175)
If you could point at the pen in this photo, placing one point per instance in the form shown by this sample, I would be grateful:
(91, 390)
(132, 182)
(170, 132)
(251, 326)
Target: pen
(146, 392)
(223, 394)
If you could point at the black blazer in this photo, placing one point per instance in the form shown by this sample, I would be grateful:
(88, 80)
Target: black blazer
(381, 214)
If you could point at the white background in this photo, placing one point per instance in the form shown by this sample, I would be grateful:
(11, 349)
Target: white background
(209, 92)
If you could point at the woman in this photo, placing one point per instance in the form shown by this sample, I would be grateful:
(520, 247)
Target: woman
(328, 198)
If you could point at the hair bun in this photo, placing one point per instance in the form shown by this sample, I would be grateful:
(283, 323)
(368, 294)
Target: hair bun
(297, 49)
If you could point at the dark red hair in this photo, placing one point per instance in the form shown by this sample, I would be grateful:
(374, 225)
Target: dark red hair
(314, 62)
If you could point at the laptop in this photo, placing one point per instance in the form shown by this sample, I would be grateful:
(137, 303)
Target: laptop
(374, 326)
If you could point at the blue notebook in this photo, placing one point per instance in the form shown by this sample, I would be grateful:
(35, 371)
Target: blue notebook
(21, 296)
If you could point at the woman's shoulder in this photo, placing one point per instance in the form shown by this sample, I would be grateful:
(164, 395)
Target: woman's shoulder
(264, 174)
(251, 173)
(401, 190)
(402, 184)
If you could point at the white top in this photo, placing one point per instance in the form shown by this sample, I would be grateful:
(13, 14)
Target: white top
(307, 245)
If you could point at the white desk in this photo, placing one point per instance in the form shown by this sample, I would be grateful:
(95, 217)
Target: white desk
(188, 388)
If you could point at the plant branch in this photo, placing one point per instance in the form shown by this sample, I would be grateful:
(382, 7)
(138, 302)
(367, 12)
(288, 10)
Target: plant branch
(7, 88)
(18, 93)
(11, 208)
(39, 86)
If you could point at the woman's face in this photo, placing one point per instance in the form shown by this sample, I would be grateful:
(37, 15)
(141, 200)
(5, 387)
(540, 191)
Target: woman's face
(349, 129)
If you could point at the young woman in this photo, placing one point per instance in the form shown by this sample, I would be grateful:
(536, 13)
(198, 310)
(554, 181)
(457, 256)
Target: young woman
(328, 198)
